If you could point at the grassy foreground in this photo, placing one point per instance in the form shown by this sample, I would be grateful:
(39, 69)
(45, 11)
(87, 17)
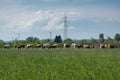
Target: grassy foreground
(60, 64)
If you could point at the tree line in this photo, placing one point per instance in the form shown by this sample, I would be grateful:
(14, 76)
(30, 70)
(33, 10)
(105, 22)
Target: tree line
(58, 39)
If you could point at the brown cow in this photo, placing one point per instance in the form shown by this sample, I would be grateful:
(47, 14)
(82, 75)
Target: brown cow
(86, 46)
(102, 45)
(106, 45)
(110, 46)
(54, 46)
(39, 46)
(19, 46)
(73, 45)
(66, 46)
(29, 46)
(46, 46)
(14, 46)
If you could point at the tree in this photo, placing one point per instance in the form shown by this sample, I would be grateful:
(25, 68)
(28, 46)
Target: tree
(2, 44)
(76, 41)
(117, 37)
(83, 41)
(36, 39)
(68, 41)
(58, 39)
(101, 38)
(45, 40)
(33, 39)
(109, 40)
(94, 41)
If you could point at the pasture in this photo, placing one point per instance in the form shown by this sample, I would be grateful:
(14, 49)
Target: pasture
(59, 64)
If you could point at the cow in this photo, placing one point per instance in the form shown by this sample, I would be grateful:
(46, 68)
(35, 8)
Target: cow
(39, 46)
(14, 46)
(86, 46)
(66, 46)
(29, 46)
(106, 45)
(79, 46)
(46, 46)
(73, 45)
(54, 46)
(21, 46)
(102, 46)
(6, 46)
(110, 46)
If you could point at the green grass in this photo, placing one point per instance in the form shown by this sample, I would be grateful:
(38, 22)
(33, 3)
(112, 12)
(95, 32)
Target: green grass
(60, 64)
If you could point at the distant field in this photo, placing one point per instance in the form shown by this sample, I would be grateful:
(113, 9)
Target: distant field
(60, 64)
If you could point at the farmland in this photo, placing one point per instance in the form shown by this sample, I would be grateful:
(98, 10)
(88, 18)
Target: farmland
(60, 64)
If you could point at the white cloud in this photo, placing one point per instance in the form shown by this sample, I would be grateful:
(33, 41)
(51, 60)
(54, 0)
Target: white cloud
(24, 21)
(25, 16)
(53, 24)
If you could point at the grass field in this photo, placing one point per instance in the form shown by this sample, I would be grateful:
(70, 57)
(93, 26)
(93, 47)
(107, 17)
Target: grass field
(60, 64)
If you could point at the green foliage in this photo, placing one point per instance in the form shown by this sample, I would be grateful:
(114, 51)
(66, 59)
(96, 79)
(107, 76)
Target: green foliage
(68, 41)
(83, 41)
(109, 40)
(45, 41)
(76, 41)
(58, 39)
(93, 41)
(101, 38)
(60, 45)
(2, 45)
(32, 39)
(60, 64)
(117, 37)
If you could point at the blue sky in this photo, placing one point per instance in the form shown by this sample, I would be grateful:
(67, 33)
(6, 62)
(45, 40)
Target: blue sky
(37, 18)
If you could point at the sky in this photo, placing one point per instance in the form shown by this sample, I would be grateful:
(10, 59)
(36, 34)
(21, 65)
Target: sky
(37, 18)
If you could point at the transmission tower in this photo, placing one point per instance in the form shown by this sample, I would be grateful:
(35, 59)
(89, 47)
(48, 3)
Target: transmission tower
(65, 27)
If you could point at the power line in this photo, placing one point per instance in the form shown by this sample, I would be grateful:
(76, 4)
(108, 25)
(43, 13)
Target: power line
(65, 27)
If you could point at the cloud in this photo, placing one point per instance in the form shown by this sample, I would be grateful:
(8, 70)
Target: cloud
(35, 16)
(56, 23)
(101, 13)
(53, 24)
(25, 20)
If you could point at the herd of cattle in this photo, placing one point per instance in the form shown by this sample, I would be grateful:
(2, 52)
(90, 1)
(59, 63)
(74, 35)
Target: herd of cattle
(49, 46)
(89, 46)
